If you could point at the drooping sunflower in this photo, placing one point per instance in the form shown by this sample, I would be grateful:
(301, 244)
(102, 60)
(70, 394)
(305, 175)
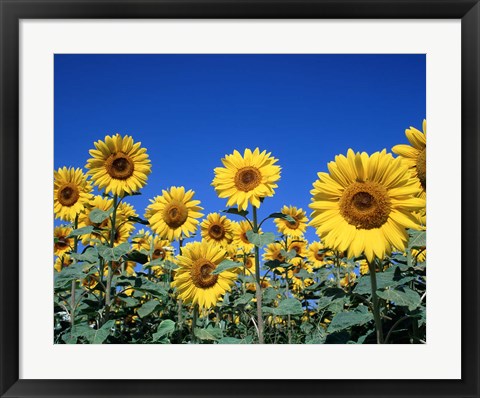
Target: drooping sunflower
(349, 279)
(240, 235)
(119, 165)
(365, 204)
(194, 279)
(415, 154)
(62, 243)
(217, 229)
(317, 255)
(62, 262)
(246, 179)
(296, 228)
(174, 213)
(71, 193)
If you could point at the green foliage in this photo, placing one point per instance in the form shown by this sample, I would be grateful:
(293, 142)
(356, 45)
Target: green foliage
(261, 239)
(97, 216)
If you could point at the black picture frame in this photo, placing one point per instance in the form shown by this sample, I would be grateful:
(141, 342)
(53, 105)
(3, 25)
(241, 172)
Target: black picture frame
(13, 11)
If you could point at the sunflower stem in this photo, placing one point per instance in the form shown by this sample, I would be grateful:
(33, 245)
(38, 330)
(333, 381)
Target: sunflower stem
(337, 269)
(375, 301)
(180, 301)
(194, 323)
(258, 290)
(110, 263)
(74, 282)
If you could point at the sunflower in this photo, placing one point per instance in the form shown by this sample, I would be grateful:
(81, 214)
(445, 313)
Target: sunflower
(62, 242)
(62, 262)
(118, 165)
(217, 229)
(363, 267)
(174, 213)
(274, 251)
(194, 279)
(128, 266)
(317, 255)
(142, 240)
(97, 202)
(249, 265)
(300, 248)
(240, 235)
(71, 193)
(246, 179)
(349, 279)
(415, 156)
(161, 250)
(296, 228)
(365, 204)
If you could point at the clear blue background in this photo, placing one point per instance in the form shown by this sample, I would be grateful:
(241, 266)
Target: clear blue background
(191, 110)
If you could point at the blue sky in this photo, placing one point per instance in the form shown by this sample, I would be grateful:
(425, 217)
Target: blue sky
(191, 110)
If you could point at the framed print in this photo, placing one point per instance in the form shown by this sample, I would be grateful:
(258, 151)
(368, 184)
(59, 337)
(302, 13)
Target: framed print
(239, 198)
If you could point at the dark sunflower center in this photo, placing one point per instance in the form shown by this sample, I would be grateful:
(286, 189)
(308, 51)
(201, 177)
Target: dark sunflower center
(175, 214)
(216, 231)
(279, 257)
(201, 274)
(249, 263)
(366, 205)
(319, 256)
(119, 166)
(244, 238)
(247, 178)
(296, 248)
(68, 194)
(422, 168)
(61, 243)
(159, 253)
(293, 224)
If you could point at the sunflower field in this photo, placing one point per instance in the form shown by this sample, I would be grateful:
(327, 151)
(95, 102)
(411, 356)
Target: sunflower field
(176, 275)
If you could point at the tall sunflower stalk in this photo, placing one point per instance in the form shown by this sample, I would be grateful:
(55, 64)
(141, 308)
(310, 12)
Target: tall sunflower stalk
(258, 289)
(110, 263)
(375, 301)
(74, 282)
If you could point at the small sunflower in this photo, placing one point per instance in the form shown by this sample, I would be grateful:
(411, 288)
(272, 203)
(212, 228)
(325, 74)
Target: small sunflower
(97, 202)
(296, 228)
(300, 248)
(62, 262)
(363, 267)
(194, 279)
(246, 179)
(142, 240)
(62, 243)
(365, 204)
(274, 251)
(317, 254)
(128, 266)
(174, 213)
(349, 279)
(240, 235)
(71, 193)
(119, 165)
(217, 229)
(161, 250)
(415, 155)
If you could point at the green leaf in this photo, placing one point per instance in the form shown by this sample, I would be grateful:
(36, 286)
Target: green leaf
(144, 285)
(138, 220)
(289, 306)
(288, 255)
(97, 216)
(147, 308)
(100, 335)
(165, 328)
(344, 320)
(169, 266)
(318, 337)
(209, 333)
(136, 256)
(225, 265)
(113, 253)
(233, 340)
(81, 231)
(287, 217)
(129, 301)
(417, 239)
(90, 255)
(402, 296)
(234, 210)
(243, 300)
(260, 240)
(390, 278)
